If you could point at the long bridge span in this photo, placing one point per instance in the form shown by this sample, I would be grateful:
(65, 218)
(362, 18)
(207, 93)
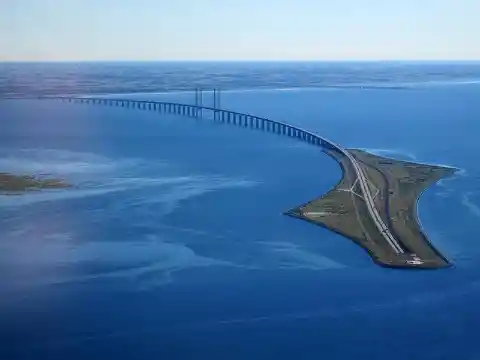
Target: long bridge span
(252, 122)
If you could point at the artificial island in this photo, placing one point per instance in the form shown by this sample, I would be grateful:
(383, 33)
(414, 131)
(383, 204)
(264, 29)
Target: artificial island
(381, 215)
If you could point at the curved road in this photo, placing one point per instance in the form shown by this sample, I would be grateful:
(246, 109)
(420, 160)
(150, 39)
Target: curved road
(379, 223)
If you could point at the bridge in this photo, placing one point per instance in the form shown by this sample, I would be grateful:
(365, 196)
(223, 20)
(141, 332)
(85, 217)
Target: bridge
(253, 122)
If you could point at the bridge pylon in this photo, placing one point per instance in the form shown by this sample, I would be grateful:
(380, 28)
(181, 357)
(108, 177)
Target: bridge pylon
(199, 102)
(216, 103)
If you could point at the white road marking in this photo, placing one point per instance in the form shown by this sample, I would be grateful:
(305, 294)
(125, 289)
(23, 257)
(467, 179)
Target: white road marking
(319, 213)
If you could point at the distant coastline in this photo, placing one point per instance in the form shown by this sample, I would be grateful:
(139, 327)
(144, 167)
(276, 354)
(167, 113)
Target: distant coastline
(30, 79)
(11, 184)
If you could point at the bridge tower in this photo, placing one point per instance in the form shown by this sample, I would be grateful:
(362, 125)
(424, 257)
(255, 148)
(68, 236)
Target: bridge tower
(198, 102)
(216, 103)
(198, 111)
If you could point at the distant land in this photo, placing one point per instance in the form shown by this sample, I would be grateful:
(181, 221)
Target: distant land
(11, 184)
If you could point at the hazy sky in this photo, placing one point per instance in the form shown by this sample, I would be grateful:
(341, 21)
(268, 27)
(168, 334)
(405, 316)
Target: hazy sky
(239, 29)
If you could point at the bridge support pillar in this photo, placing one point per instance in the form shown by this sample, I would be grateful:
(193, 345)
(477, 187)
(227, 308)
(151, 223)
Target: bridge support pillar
(224, 116)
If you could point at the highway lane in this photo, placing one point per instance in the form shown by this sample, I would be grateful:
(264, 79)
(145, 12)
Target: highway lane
(379, 223)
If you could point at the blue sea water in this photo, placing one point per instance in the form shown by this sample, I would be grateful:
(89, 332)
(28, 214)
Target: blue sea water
(172, 245)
